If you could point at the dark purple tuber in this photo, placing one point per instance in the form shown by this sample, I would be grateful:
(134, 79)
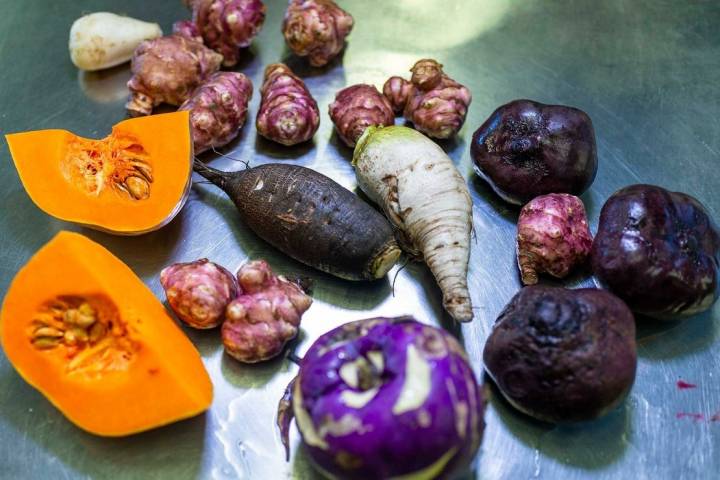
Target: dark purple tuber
(526, 149)
(563, 355)
(658, 250)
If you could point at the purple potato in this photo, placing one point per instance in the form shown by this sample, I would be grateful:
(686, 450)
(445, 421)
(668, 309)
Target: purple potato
(563, 355)
(658, 250)
(384, 398)
(526, 149)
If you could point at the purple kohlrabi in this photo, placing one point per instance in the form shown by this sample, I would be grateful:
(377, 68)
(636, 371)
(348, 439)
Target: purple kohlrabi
(385, 398)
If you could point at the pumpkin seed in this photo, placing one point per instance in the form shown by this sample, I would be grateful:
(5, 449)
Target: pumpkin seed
(45, 343)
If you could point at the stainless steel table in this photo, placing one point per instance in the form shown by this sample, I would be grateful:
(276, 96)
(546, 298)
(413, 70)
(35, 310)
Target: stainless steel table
(645, 70)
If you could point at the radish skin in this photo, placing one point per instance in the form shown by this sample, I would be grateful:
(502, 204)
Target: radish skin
(424, 195)
(103, 39)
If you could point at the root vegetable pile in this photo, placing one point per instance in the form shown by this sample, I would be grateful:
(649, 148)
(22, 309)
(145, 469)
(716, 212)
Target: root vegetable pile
(311, 218)
(167, 70)
(288, 113)
(553, 236)
(525, 149)
(259, 311)
(103, 40)
(226, 26)
(659, 251)
(435, 103)
(316, 29)
(426, 198)
(265, 316)
(198, 292)
(386, 398)
(563, 355)
(356, 108)
(218, 109)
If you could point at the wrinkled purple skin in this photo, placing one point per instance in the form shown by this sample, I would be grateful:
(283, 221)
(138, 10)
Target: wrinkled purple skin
(226, 26)
(373, 441)
(198, 292)
(218, 109)
(553, 236)
(288, 113)
(265, 315)
(357, 107)
(526, 149)
(563, 355)
(659, 251)
(187, 29)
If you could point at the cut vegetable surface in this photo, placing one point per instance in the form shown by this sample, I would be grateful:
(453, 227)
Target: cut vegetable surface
(310, 217)
(386, 398)
(79, 326)
(426, 198)
(133, 181)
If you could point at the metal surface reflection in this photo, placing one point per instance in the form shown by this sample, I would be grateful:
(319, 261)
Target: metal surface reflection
(641, 69)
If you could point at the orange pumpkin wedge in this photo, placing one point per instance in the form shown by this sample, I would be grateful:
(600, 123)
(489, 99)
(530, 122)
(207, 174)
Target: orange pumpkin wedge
(79, 326)
(131, 182)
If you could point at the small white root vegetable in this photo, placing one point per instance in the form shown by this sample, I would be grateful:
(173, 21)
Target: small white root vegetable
(102, 39)
(424, 195)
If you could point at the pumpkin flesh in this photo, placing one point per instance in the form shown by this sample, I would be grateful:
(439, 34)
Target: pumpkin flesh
(133, 181)
(131, 370)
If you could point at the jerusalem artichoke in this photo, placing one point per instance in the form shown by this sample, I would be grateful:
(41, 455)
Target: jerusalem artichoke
(435, 103)
(357, 107)
(265, 316)
(426, 198)
(187, 29)
(102, 39)
(316, 29)
(228, 25)
(167, 69)
(288, 112)
(553, 236)
(199, 292)
(218, 109)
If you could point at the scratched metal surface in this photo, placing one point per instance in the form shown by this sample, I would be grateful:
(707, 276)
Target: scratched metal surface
(646, 72)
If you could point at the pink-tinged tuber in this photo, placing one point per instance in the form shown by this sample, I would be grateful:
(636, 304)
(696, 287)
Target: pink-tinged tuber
(288, 112)
(357, 107)
(397, 90)
(265, 316)
(168, 69)
(218, 109)
(226, 26)
(187, 29)
(435, 103)
(199, 292)
(316, 29)
(553, 236)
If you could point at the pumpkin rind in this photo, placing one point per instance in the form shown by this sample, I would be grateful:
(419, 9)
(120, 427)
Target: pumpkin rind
(41, 156)
(164, 379)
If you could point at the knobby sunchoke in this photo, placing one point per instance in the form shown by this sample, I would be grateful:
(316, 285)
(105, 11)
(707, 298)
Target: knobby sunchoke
(357, 107)
(199, 292)
(553, 236)
(435, 103)
(228, 25)
(316, 29)
(168, 69)
(218, 109)
(288, 113)
(187, 29)
(265, 316)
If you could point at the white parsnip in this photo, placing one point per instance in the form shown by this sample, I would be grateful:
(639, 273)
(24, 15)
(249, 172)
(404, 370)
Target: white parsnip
(424, 195)
(103, 39)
